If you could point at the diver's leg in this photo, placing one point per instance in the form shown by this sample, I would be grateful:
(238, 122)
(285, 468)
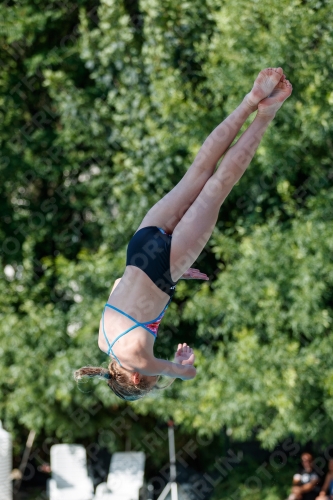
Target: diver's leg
(195, 228)
(170, 209)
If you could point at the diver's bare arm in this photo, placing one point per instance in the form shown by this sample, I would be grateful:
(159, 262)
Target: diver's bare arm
(157, 366)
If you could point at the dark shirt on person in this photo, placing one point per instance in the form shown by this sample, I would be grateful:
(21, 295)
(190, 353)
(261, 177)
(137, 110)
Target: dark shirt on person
(307, 477)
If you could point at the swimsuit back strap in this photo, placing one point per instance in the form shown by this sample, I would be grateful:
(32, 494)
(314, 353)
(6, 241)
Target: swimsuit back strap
(115, 357)
(121, 334)
(160, 316)
(104, 333)
(108, 342)
(121, 312)
(111, 351)
(137, 323)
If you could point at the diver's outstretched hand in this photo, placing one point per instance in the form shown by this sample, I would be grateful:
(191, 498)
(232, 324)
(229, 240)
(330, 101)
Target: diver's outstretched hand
(184, 355)
(194, 274)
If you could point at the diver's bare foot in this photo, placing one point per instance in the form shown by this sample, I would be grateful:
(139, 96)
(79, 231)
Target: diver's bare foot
(264, 84)
(270, 105)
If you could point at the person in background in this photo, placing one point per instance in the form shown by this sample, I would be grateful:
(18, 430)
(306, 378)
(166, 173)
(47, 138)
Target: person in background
(305, 482)
(326, 492)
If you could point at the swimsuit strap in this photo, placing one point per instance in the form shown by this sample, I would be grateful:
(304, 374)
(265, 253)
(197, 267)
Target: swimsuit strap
(105, 336)
(160, 316)
(110, 350)
(137, 323)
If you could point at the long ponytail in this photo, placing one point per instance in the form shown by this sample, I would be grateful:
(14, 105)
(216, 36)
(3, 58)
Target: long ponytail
(91, 371)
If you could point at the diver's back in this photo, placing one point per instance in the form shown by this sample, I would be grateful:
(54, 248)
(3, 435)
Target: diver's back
(135, 300)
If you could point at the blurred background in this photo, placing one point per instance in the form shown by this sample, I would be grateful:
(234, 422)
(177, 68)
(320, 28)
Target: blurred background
(103, 106)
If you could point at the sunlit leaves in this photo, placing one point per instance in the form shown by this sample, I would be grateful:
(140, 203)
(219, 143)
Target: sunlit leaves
(102, 112)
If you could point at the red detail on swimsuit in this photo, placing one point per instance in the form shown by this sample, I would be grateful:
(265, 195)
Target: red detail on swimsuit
(153, 327)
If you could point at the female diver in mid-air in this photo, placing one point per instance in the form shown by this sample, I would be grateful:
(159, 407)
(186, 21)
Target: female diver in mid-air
(169, 239)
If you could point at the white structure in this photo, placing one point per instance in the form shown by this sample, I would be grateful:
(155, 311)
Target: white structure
(171, 486)
(6, 489)
(70, 480)
(125, 477)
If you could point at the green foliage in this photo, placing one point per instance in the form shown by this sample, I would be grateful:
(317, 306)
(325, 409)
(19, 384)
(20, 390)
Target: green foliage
(272, 333)
(245, 482)
(102, 111)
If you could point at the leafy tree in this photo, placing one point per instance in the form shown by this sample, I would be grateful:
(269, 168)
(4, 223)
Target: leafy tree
(103, 108)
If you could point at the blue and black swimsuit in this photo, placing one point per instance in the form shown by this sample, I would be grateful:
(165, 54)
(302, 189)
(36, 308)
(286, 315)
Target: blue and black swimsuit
(149, 250)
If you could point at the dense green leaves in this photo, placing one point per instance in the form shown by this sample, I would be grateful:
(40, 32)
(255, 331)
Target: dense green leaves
(275, 323)
(103, 108)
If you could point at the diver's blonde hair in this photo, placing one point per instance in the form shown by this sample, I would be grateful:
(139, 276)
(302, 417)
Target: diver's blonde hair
(119, 381)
